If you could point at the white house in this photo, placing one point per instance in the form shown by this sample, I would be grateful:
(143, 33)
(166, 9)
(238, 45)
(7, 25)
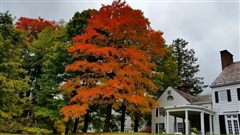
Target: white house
(180, 111)
(226, 95)
(218, 113)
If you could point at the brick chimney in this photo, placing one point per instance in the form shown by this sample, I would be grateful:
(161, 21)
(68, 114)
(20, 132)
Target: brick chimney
(226, 58)
(184, 89)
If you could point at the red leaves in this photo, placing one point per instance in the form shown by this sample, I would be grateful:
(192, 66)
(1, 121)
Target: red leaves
(114, 59)
(33, 26)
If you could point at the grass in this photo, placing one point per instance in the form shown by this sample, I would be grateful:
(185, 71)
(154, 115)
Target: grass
(119, 133)
(115, 133)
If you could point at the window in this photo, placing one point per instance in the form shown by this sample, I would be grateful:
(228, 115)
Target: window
(169, 92)
(180, 127)
(223, 96)
(170, 97)
(159, 127)
(161, 112)
(232, 124)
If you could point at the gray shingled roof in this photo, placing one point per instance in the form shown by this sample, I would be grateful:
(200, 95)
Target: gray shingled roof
(202, 98)
(195, 99)
(229, 76)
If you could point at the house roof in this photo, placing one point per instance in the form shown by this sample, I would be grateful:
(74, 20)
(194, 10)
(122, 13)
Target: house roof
(229, 76)
(195, 99)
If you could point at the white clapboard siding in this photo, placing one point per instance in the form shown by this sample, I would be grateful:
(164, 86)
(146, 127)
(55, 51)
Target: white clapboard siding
(162, 101)
(224, 108)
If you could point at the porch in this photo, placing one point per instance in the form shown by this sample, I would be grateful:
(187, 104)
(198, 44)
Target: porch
(199, 117)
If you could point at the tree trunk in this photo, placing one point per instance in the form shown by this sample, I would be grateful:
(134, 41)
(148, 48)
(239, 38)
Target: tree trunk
(108, 118)
(75, 125)
(136, 120)
(86, 121)
(67, 128)
(123, 118)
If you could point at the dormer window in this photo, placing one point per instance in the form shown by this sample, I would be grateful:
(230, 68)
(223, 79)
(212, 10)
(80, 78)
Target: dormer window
(170, 97)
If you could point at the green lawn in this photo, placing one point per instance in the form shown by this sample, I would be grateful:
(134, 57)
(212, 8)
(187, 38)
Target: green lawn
(99, 134)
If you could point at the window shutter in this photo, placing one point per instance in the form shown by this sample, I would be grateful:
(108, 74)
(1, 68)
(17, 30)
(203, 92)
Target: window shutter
(216, 97)
(229, 95)
(156, 128)
(222, 124)
(239, 119)
(238, 93)
(156, 112)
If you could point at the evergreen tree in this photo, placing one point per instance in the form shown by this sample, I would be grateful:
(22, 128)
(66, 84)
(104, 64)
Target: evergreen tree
(79, 22)
(187, 67)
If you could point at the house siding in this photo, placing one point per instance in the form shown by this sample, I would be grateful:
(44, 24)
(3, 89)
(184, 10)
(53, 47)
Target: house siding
(162, 101)
(216, 128)
(227, 106)
(178, 99)
(223, 108)
(162, 119)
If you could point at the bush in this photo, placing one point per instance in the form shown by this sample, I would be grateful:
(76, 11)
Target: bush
(8, 126)
(36, 131)
(12, 126)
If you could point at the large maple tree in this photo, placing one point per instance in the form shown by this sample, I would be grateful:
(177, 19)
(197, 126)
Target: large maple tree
(114, 60)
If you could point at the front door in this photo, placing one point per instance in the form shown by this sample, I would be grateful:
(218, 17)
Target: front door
(232, 124)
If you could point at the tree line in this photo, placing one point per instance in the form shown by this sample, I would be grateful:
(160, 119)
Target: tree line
(67, 77)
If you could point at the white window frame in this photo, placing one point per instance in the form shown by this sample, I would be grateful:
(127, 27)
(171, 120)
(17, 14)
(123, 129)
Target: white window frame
(231, 119)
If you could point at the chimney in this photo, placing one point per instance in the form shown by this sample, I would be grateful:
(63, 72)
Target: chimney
(226, 58)
(184, 89)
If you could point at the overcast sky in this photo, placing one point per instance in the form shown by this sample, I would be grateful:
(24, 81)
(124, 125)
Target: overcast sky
(208, 25)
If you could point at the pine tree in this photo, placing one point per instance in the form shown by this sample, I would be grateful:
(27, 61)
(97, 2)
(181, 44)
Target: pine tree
(78, 23)
(187, 66)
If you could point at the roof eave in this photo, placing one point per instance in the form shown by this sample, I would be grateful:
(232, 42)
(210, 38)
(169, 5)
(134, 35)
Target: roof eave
(224, 84)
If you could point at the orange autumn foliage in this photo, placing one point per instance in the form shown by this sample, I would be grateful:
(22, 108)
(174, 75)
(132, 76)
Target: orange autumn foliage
(114, 61)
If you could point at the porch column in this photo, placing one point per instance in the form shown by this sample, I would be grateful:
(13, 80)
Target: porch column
(210, 124)
(186, 122)
(202, 123)
(167, 122)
